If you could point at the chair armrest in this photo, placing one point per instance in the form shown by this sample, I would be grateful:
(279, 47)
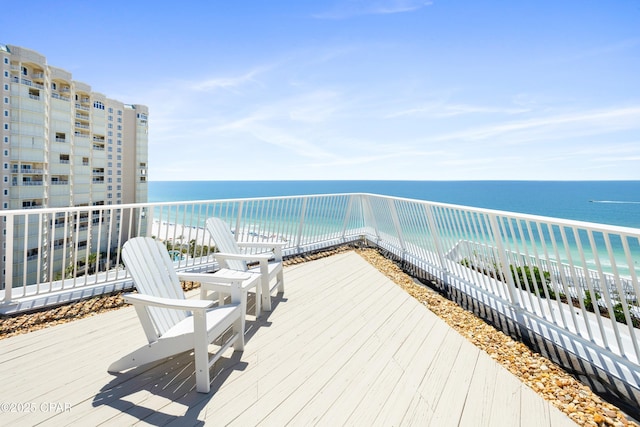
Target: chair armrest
(243, 257)
(269, 245)
(221, 281)
(232, 277)
(177, 304)
(276, 247)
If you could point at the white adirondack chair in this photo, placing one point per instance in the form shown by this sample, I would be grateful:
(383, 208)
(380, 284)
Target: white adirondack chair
(232, 256)
(172, 323)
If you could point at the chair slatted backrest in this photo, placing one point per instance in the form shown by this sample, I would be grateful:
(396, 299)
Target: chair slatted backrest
(151, 268)
(225, 242)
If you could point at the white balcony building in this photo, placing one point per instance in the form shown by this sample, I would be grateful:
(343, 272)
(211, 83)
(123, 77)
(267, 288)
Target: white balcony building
(56, 133)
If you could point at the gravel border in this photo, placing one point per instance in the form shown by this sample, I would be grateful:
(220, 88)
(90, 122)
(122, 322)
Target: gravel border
(547, 379)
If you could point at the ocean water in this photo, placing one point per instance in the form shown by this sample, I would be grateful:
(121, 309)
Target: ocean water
(605, 202)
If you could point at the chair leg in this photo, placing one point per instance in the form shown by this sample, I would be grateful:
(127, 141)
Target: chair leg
(258, 301)
(266, 295)
(238, 327)
(201, 353)
(280, 282)
(264, 283)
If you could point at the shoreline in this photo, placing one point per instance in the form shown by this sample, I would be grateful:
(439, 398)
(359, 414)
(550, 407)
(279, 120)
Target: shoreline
(183, 234)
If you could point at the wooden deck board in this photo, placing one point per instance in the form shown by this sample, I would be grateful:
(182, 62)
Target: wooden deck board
(343, 346)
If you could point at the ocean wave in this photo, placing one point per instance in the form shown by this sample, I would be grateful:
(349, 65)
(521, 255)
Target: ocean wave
(624, 202)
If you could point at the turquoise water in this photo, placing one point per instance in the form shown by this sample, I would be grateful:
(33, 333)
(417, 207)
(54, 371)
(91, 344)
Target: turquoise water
(605, 202)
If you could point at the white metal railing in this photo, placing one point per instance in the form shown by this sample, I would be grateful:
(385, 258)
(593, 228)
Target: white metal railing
(77, 254)
(550, 275)
(557, 278)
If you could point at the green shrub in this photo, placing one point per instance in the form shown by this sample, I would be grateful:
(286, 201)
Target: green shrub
(591, 304)
(534, 277)
(588, 301)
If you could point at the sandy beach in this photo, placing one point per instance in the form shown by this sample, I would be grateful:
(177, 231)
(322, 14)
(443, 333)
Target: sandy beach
(178, 233)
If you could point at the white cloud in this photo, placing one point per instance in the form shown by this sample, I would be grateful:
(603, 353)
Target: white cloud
(571, 125)
(349, 8)
(450, 110)
(214, 83)
(357, 159)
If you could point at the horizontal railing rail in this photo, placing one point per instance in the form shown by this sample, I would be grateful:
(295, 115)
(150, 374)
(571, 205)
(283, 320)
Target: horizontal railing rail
(565, 277)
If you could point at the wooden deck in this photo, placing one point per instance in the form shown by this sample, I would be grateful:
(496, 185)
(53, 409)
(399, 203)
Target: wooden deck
(343, 346)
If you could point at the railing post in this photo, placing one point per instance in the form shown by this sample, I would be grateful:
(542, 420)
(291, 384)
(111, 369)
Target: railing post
(149, 215)
(238, 218)
(396, 225)
(504, 261)
(301, 225)
(436, 240)
(347, 215)
(8, 264)
(367, 205)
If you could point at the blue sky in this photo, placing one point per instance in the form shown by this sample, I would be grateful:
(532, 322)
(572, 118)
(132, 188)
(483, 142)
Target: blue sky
(350, 89)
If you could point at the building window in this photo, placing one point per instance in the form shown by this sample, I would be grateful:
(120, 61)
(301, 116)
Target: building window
(6, 165)
(6, 74)
(6, 113)
(6, 99)
(6, 192)
(25, 72)
(54, 86)
(6, 87)
(6, 60)
(6, 139)
(6, 126)
(6, 153)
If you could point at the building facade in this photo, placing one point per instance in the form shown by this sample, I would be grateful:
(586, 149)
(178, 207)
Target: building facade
(64, 145)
